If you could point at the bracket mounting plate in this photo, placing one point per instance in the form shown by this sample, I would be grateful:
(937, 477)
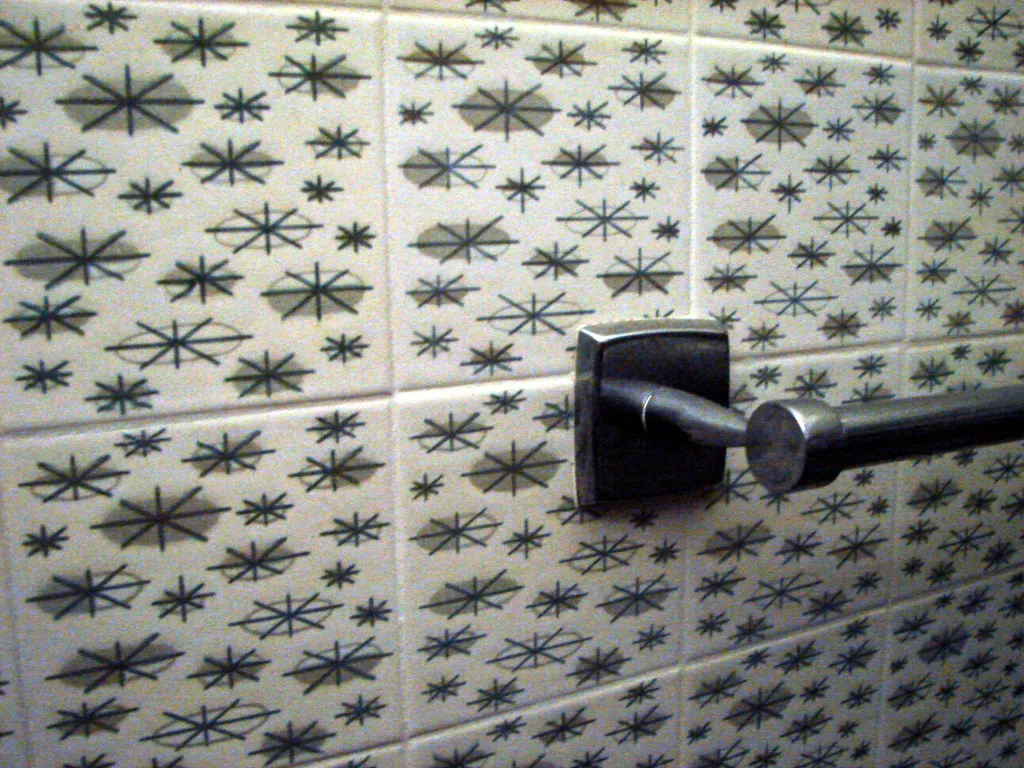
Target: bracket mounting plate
(617, 461)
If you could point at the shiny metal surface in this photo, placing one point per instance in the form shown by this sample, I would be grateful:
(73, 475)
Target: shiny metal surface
(662, 410)
(786, 442)
(805, 443)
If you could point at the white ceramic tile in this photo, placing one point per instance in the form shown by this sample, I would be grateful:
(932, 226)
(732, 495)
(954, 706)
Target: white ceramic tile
(801, 174)
(957, 515)
(512, 594)
(972, 34)
(879, 26)
(633, 725)
(219, 591)
(968, 215)
(809, 700)
(954, 683)
(191, 208)
(538, 180)
(663, 14)
(765, 564)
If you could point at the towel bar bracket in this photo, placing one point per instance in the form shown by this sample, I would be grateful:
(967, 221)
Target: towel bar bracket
(625, 450)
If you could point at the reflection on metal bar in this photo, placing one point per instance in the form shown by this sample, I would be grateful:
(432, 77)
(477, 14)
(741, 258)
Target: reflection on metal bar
(806, 443)
(802, 443)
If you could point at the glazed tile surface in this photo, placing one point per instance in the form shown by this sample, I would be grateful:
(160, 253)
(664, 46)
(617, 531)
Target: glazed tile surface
(879, 26)
(764, 564)
(972, 34)
(663, 14)
(811, 700)
(954, 681)
(802, 168)
(191, 207)
(220, 592)
(513, 594)
(288, 305)
(633, 725)
(968, 214)
(957, 515)
(554, 160)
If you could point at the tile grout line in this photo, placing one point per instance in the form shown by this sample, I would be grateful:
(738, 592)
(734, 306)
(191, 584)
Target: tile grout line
(398, 519)
(902, 346)
(691, 69)
(7, 603)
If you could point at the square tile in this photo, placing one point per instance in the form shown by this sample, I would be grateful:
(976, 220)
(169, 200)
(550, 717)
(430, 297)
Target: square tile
(662, 14)
(191, 208)
(968, 218)
(764, 564)
(537, 181)
(218, 591)
(958, 515)
(807, 700)
(801, 171)
(512, 594)
(972, 34)
(633, 725)
(856, 26)
(954, 682)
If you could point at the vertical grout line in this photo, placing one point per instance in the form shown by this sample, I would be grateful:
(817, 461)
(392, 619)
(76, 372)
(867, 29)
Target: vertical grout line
(7, 602)
(682, 655)
(384, 180)
(684, 639)
(916, 30)
(398, 525)
(691, 70)
(879, 714)
(905, 337)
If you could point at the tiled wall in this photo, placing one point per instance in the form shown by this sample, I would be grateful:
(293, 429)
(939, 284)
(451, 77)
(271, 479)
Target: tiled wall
(289, 296)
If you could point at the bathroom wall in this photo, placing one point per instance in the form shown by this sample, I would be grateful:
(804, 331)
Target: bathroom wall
(289, 297)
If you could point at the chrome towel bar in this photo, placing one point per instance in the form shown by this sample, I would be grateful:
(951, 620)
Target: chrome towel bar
(650, 401)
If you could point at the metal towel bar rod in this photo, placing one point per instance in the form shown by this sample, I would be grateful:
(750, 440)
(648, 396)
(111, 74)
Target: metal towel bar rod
(806, 443)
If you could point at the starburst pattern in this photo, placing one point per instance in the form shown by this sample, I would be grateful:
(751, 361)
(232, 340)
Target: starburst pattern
(132, 104)
(199, 42)
(86, 258)
(49, 174)
(161, 521)
(265, 228)
(41, 49)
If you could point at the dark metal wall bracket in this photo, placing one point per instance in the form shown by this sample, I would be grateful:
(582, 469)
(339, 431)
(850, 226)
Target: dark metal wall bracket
(652, 419)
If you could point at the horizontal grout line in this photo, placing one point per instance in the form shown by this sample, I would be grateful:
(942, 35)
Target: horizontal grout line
(525, 18)
(387, 11)
(742, 43)
(461, 388)
(455, 389)
(902, 345)
(176, 418)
